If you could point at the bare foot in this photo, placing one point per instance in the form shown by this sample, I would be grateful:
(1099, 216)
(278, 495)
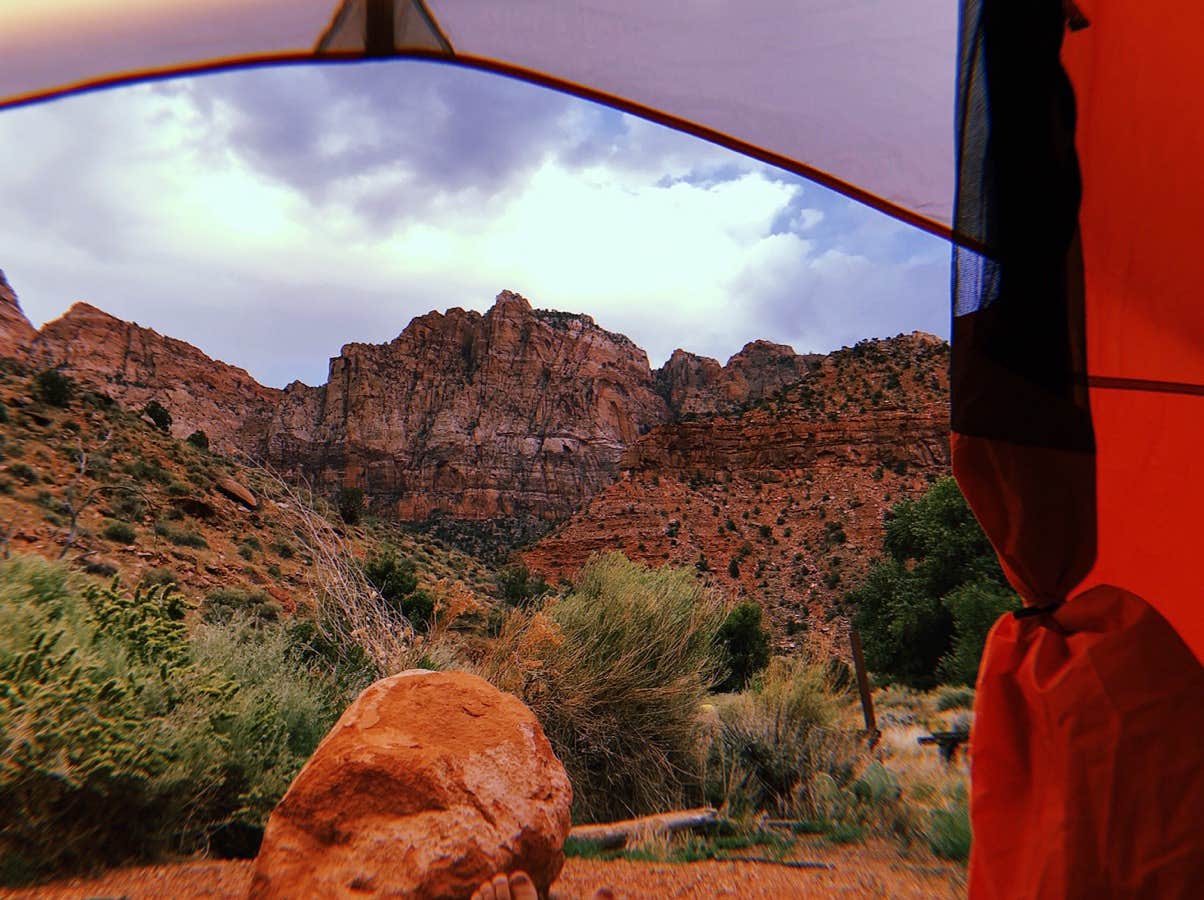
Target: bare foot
(515, 886)
(518, 886)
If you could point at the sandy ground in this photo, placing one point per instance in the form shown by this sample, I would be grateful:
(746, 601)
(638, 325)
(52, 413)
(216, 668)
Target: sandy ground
(873, 870)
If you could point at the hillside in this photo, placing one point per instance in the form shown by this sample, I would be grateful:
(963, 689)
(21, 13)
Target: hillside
(106, 489)
(782, 503)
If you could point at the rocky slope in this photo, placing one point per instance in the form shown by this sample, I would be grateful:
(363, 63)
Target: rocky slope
(135, 365)
(784, 502)
(514, 413)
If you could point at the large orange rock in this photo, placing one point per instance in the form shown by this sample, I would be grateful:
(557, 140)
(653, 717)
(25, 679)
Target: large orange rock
(429, 783)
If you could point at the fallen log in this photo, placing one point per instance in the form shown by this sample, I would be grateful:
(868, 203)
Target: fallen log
(609, 835)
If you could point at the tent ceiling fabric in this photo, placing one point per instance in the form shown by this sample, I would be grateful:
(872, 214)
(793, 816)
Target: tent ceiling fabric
(858, 93)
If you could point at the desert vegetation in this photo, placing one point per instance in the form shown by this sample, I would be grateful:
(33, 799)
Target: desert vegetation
(170, 654)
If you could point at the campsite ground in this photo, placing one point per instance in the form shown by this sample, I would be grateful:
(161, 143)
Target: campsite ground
(874, 869)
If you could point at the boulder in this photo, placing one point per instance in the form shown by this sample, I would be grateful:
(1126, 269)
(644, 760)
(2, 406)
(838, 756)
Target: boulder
(428, 784)
(237, 492)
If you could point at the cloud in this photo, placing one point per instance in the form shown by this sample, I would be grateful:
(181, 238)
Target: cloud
(271, 215)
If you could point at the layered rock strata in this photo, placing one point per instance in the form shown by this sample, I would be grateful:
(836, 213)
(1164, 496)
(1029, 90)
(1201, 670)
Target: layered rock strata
(516, 412)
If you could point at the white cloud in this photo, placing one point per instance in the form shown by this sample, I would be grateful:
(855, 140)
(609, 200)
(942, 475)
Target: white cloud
(133, 200)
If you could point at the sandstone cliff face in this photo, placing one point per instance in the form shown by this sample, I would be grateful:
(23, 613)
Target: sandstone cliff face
(517, 412)
(135, 365)
(15, 330)
(784, 502)
(695, 385)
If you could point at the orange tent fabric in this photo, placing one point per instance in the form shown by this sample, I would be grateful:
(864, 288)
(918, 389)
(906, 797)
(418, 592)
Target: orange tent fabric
(1088, 762)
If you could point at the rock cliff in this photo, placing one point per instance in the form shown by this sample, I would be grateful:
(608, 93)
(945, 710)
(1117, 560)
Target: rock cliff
(784, 502)
(695, 385)
(15, 330)
(514, 413)
(135, 365)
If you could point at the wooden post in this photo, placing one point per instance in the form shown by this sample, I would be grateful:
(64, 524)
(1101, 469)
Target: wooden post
(863, 687)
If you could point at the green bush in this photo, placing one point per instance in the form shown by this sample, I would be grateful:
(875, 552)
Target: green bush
(954, 698)
(227, 604)
(745, 645)
(122, 738)
(53, 387)
(616, 672)
(936, 559)
(157, 413)
(393, 576)
(24, 472)
(948, 832)
(198, 439)
(119, 532)
(517, 586)
(181, 537)
(350, 503)
(775, 741)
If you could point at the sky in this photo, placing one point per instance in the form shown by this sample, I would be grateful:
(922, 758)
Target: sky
(271, 215)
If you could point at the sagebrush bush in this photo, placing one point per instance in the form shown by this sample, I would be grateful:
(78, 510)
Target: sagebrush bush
(119, 532)
(616, 673)
(181, 537)
(948, 831)
(771, 743)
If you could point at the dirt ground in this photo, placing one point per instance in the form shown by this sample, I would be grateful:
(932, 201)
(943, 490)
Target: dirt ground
(871, 870)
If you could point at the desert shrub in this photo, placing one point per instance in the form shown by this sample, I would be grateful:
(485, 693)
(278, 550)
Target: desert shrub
(181, 537)
(227, 604)
(53, 387)
(119, 532)
(283, 549)
(198, 439)
(517, 586)
(948, 832)
(350, 503)
(24, 472)
(161, 576)
(615, 672)
(745, 645)
(393, 576)
(271, 723)
(773, 742)
(954, 698)
(147, 470)
(125, 504)
(419, 608)
(157, 413)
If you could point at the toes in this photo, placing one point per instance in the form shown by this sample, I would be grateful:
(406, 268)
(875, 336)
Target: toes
(604, 893)
(522, 888)
(501, 887)
(485, 892)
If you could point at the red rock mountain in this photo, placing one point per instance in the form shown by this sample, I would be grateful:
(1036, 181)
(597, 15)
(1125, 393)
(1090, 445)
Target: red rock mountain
(784, 502)
(135, 365)
(529, 415)
(15, 330)
(517, 412)
(695, 385)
